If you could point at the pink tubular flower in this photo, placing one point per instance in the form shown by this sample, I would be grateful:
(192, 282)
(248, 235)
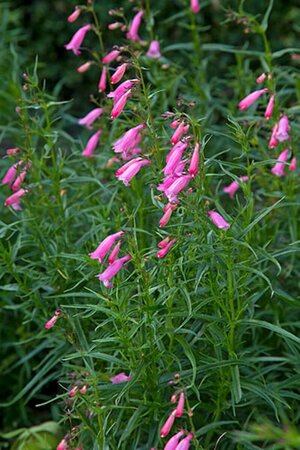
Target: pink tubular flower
(162, 253)
(233, 187)
(176, 187)
(120, 105)
(73, 391)
(178, 132)
(218, 220)
(273, 140)
(195, 6)
(282, 133)
(102, 81)
(134, 28)
(179, 147)
(84, 67)
(180, 405)
(193, 169)
(75, 14)
(293, 164)
(63, 445)
(104, 247)
(251, 98)
(77, 39)
(11, 174)
(270, 107)
(111, 56)
(173, 442)
(162, 244)
(114, 254)
(20, 178)
(53, 320)
(122, 89)
(261, 78)
(278, 169)
(167, 215)
(114, 25)
(90, 118)
(132, 169)
(173, 159)
(83, 389)
(112, 270)
(166, 428)
(12, 151)
(154, 50)
(185, 443)
(14, 199)
(91, 144)
(120, 378)
(118, 74)
(129, 140)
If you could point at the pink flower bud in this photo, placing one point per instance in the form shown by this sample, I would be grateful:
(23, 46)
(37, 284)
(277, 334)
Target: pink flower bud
(104, 247)
(114, 254)
(185, 443)
(134, 28)
(77, 39)
(120, 105)
(175, 123)
(233, 187)
(162, 253)
(75, 14)
(176, 187)
(115, 25)
(282, 133)
(91, 144)
(293, 164)
(120, 378)
(131, 170)
(11, 174)
(14, 199)
(167, 215)
(251, 98)
(166, 428)
(177, 133)
(12, 151)
(118, 75)
(278, 169)
(120, 91)
(84, 67)
(173, 442)
(218, 220)
(273, 141)
(90, 118)
(63, 445)
(195, 6)
(102, 81)
(111, 56)
(112, 270)
(73, 391)
(53, 320)
(162, 244)
(270, 107)
(180, 405)
(83, 389)
(261, 78)
(194, 165)
(154, 50)
(20, 178)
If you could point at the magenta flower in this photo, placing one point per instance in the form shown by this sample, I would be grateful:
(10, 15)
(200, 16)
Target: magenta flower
(90, 118)
(173, 159)
(154, 50)
(251, 98)
(77, 39)
(233, 187)
(120, 378)
(167, 215)
(129, 140)
(184, 444)
(181, 129)
(193, 169)
(273, 140)
(176, 187)
(162, 253)
(195, 6)
(134, 28)
(20, 178)
(218, 220)
(12, 151)
(120, 105)
(102, 81)
(270, 107)
(75, 14)
(112, 270)
(282, 133)
(166, 428)
(180, 405)
(63, 445)
(162, 244)
(122, 89)
(114, 254)
(84, 67)
(131, 170)
(83, 389)
(51, 322)
(293, 164)
(110, 57)
(173, 442)
(261, 78)
(14, 199)
(11, 174)
(104, 247)
(73, 391)
(118, 74)
(91, 145)
(278, 169)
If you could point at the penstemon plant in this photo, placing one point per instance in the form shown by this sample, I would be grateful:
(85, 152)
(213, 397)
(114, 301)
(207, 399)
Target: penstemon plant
(153, 259)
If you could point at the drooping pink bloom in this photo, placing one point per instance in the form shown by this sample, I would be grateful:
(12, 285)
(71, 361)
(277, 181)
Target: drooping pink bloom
(233, 187)
(261, 78)
(118, 74)
(154, 50)
(77, 39)
(20, 178)
(162, 253)
(104, 246)
(114, 254)
(251, 98)
(173, 399)
(282, 133)
(51, 322)
(131, 170)
(175, 123)
(270, 107)
(194, 164)
(176, 187)
(185, 443)
(12, 151)
(120, 91)
(120, 378)
(112, 270)
(173, 442)
(84, 67)
(90, 118)
(273, 140)
(11, 174)
(120, 105)
(102, 81)
(173, 160)
(134, 28)
(129, 140)
(178, 132)
(180, 405)
(162, 244)
(218, 220)
(195, 6)
(278, 169)
(293, 164)
(167, 181)
(179, 147)
(114, 25)
(167, 215)
(63, 445)
(14, 199)
(73, 391)
(125, 166)
(110, 57)
(83, 389)
(166, 428)
(75, 14)
(91, 144)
